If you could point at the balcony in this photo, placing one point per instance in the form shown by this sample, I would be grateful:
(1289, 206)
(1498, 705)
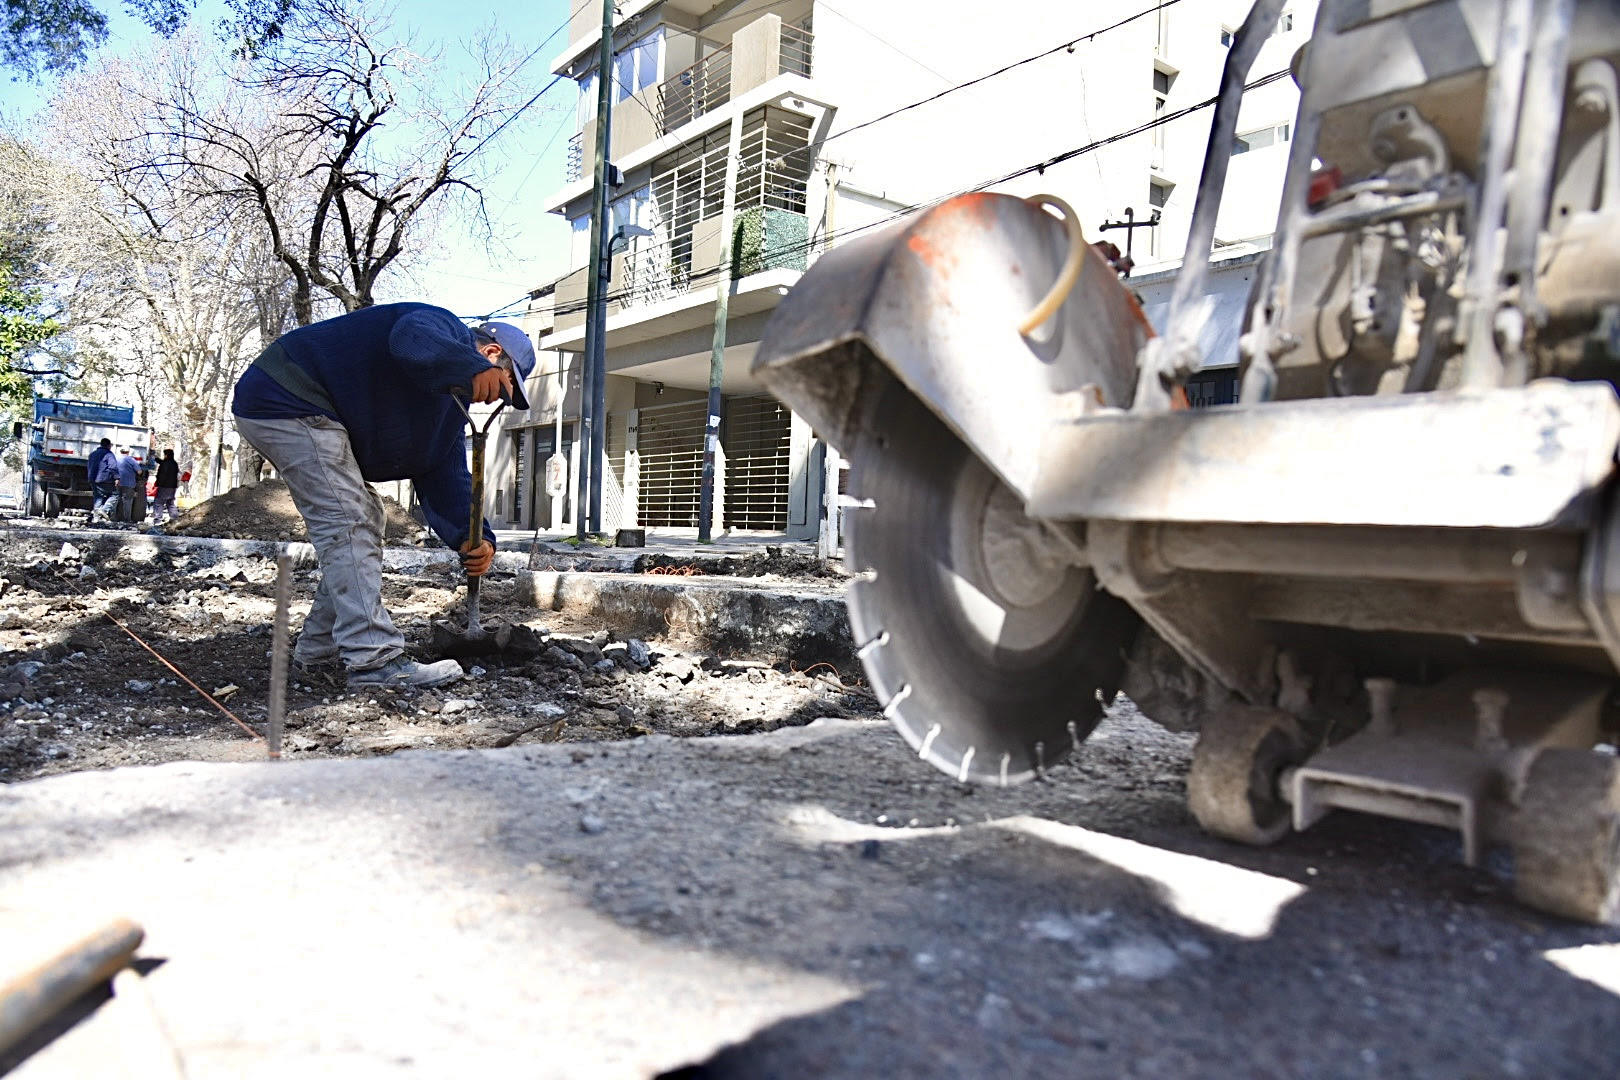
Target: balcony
(701, 88)
(756, 54)
(575, 169)
(687, 249)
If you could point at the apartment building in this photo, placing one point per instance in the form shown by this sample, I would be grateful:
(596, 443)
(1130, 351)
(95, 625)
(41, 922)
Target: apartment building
(749, 135)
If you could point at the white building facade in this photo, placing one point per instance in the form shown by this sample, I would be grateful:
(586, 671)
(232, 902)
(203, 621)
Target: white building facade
(751, 135)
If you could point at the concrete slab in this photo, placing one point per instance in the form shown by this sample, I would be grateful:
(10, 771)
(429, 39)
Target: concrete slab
(803, 622)
(400, 917)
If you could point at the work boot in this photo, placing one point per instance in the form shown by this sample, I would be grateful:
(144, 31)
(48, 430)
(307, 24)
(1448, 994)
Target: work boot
(403, 671)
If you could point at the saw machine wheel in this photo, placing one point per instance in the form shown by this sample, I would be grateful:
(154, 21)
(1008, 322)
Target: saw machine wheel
(1232, 786)
(1566, 855)
(991, 650)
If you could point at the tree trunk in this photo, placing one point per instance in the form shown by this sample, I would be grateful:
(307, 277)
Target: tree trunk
(250, 463)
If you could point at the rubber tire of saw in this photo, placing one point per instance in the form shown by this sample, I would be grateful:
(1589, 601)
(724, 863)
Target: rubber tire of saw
(974, 708)
(1232, 785)
(1566, 847)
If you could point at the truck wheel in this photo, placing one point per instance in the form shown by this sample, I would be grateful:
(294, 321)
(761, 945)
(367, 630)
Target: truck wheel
(1233, 784)
(36, 500)
(1566, 849)
(53, 504)
(989, 649)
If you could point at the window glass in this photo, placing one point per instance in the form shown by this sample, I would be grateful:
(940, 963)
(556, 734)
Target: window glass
(579, 245)
(587, 101)
(637, 65)
(632, 209)
(1158, 194)
(1161, 81)
(1257, 140)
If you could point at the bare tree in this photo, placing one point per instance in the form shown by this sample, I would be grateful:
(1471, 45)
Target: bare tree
(351, 144)
(172, 288)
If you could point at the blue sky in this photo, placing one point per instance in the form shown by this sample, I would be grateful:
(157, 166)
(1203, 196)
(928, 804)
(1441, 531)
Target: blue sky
(462, 278)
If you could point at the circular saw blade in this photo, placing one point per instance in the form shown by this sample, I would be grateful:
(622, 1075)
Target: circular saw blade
(992, 669)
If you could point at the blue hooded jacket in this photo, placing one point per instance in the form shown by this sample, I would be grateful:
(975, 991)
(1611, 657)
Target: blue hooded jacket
(385, 373)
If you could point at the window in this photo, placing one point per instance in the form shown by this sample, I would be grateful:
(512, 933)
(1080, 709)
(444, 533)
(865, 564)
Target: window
(637, 65)
(1158, 193)
(587, 102)
(1285, 25)
(1161, 90)
(579, 244)
(632, 209)
(1259, 140)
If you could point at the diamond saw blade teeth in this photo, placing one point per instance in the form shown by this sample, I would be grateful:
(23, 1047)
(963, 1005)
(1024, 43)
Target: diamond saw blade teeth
(986, 689)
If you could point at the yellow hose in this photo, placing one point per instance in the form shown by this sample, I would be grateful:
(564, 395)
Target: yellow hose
(1072, 266)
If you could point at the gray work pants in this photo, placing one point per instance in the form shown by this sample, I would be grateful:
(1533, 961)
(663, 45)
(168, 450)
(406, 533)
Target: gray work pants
(164, 504)
(345, 519)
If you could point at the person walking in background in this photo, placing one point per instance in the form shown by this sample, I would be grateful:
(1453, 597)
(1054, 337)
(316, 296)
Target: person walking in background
(168, 482)
(103, 494)
(129, 478)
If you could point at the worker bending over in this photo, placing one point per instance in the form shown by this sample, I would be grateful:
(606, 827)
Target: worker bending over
(363, 397)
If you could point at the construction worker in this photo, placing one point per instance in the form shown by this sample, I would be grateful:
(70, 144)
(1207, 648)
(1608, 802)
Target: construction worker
(363, 397)
(129, 481)
(104, 482)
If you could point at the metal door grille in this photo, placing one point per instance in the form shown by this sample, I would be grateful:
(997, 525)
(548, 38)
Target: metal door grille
(756, 440)
(669, 441)
(613, 501)
(520, 476)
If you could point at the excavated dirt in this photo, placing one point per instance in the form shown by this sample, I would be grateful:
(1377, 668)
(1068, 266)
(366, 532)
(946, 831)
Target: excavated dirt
(265, 511)
(78, 692)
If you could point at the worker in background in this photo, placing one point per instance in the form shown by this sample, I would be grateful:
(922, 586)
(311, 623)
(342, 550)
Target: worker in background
(168, 482)
(103, 495)
(129, 479)
(367, 397)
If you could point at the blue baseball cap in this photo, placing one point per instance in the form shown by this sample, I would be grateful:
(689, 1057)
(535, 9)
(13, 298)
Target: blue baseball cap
(515, 344)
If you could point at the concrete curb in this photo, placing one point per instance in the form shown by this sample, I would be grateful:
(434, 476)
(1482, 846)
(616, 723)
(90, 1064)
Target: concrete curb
(728, 617)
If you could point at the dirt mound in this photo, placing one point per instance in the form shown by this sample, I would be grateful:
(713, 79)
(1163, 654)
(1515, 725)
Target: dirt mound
(265, 511)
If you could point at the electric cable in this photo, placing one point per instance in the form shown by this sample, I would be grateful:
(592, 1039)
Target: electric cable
(555, 79)
(1066, 46)
(805, 246)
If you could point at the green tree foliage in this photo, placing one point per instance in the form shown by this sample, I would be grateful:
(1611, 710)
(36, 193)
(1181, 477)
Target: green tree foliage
(25, 327)
(50, 37)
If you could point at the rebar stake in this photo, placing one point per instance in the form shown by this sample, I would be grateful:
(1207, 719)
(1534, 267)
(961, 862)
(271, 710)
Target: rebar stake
(278, 654)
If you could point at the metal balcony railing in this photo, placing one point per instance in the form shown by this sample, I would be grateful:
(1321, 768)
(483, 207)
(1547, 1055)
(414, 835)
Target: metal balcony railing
(798, 47)
(701, 88)
(576, 157)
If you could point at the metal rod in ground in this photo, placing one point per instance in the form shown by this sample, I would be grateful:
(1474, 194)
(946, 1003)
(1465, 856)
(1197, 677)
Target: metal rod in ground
(278, 654)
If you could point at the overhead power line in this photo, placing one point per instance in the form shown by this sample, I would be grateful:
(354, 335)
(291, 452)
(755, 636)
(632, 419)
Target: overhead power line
(805, 246)
(1068, 45)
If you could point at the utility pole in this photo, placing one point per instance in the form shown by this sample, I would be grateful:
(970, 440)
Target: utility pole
(593, 391)
(717, 351)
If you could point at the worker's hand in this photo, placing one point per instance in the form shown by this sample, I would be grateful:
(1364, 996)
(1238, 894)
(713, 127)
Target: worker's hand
(491, 385)
(476, 560)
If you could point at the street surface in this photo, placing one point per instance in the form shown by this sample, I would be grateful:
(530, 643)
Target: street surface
(806, 902)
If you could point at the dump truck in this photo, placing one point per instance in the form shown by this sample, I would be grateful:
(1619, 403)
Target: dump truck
(1386, 580)
(60, 440)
